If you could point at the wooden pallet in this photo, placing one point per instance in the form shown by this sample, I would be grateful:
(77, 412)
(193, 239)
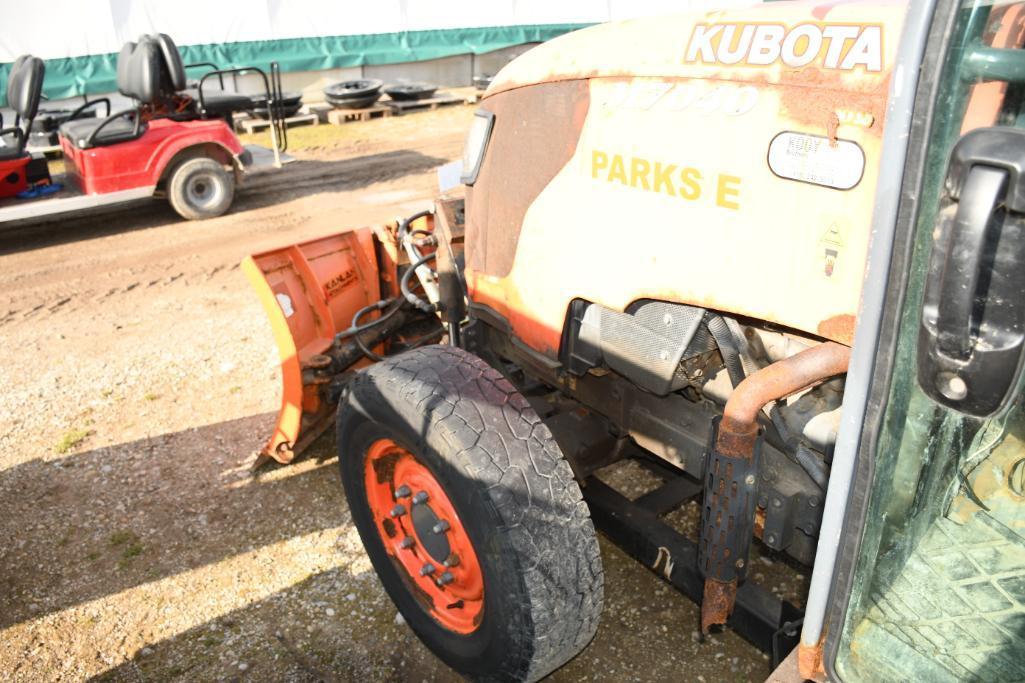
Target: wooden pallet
(340, 116)
(443, 100)
(254, 124)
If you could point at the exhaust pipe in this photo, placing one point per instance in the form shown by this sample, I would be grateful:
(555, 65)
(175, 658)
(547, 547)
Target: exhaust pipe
(731, 474)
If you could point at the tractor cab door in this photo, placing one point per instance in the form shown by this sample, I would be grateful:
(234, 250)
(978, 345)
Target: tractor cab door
(929, 576)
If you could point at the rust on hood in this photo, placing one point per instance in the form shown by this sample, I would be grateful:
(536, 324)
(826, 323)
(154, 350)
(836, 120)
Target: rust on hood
(839, 328)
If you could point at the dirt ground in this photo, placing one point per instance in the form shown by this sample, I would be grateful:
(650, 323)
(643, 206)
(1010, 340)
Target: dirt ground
(139, 381)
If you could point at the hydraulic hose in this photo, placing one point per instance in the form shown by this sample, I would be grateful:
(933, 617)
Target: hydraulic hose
(727, 347)
(355, 325)
(354, 328)
(412, 298)
(814, 467)
(404, 231)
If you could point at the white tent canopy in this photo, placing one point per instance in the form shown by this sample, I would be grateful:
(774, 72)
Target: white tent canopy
(71, 28)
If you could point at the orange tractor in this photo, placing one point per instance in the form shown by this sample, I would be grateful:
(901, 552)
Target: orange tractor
(775, 256)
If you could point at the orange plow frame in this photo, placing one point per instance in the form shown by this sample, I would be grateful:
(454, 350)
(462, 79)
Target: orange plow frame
(310, 292)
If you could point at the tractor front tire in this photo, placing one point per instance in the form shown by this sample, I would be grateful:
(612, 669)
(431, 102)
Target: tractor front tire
(470, 514)
(200, 188)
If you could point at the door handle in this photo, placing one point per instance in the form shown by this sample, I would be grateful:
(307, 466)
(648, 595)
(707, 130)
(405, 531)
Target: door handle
(963, 258)
(972, 329)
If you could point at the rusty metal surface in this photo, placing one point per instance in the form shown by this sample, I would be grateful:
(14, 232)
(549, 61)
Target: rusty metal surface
(717, 603)
(739, 423)
(737, 437)
(809, 661)
(789, 671)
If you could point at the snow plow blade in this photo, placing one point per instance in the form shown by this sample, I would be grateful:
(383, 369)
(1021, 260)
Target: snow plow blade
(310, 292)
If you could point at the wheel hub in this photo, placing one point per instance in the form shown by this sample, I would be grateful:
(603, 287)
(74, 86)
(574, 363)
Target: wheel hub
(425, 520)
(422, 532)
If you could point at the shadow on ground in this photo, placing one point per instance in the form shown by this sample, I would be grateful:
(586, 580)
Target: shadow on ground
(140, 511)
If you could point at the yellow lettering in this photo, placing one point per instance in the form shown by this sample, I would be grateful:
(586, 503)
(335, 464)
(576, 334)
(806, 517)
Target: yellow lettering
(599, 161)
(639, 169)
(728, 190)
(617, 171)
(691, 188)
(663, 178)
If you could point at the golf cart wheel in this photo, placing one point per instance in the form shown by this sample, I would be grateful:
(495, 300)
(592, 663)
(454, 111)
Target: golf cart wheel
(200, 188)
(470, 514)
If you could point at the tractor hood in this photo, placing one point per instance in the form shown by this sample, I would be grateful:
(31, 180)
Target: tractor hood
(723, 159)
(812, 45)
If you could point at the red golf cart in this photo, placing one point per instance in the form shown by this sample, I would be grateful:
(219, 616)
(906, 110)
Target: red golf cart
(176, 142)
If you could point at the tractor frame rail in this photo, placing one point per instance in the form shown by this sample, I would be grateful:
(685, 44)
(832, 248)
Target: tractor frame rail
(767, 622)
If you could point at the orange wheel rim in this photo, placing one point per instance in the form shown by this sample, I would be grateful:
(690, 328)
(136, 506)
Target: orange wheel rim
(424, 536)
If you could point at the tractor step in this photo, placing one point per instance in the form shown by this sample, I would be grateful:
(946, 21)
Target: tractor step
(767, 622)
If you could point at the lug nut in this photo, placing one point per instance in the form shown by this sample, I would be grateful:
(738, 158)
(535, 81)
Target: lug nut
(441, 527)
(427, 570)
(398, 510)
(402, 492)
(452, 560)
(445, 579)
(420, 498)
(406, 543)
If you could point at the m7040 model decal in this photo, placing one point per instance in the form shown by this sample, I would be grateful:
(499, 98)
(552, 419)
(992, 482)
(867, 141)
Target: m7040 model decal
(843, 47)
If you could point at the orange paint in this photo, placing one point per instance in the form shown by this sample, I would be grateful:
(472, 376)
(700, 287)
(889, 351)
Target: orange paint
(457, 605)
(310, 291)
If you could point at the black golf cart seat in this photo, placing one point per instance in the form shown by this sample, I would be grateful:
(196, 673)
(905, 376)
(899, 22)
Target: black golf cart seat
(24, 90)
(211, 103)
(138, 77)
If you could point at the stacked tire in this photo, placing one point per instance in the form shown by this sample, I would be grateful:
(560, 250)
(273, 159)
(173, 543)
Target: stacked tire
(356, 94)
(290, 104)
(410, 92)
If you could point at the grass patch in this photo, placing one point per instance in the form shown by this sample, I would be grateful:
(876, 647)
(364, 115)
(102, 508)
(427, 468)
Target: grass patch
(235, 389)
(71, 438)
(93, 556)
(129, 544)
(150, 396)
(123, 537)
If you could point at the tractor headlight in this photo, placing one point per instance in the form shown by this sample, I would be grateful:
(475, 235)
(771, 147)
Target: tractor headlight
(476, 144)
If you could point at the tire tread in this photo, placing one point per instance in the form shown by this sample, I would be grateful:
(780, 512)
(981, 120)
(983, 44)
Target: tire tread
(500, 441)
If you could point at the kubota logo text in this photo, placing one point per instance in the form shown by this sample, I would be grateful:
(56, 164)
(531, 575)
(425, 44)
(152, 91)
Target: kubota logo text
(832, 46)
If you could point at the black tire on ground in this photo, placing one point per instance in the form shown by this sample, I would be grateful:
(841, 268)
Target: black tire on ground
(200, 188)
(514, 492)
